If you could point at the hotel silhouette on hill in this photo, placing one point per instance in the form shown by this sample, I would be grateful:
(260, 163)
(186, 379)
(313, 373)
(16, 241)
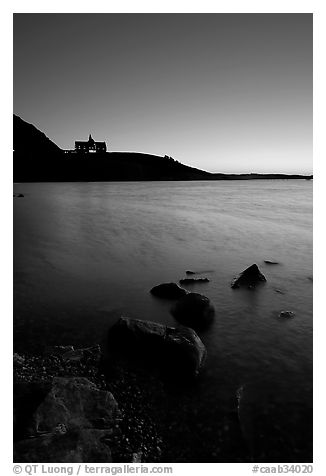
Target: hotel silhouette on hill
(88, 147)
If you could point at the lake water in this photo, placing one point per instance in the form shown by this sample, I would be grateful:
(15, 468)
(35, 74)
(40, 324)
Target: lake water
(87, 253)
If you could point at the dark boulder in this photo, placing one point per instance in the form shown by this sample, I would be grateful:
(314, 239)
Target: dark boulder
(178, 351)
(193, 280)
(250, 277)
(190, 272)
(168, 290)
(194, 310)
(135, 336)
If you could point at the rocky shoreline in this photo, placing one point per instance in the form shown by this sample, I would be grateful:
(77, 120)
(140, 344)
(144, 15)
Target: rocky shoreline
(130, 436)
(130, 399)
(155, 420)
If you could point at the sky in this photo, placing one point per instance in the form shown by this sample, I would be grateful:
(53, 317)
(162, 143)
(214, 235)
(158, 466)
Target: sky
(227, 93)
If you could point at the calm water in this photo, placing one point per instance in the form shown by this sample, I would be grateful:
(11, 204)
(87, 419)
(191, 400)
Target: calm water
(86, 253)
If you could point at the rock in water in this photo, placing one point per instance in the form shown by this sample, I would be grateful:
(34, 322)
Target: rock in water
(179, 351)
(193, 280)
(188, 272)
(250, 277)
(286, 314)
(168, 290)
(267, 261)
(279, 291)
(194, 310)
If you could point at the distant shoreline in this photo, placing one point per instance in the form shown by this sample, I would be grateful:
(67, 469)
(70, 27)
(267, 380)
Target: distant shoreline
(225, 178)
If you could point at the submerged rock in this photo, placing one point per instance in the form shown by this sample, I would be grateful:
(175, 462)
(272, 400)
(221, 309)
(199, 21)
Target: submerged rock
(190, 272)
(177, 350)
(250, 277)
(168, 290)
(18, 195)
(279, 291)
(267, 261)
(193, 280)
(286, 314)
(194, 310)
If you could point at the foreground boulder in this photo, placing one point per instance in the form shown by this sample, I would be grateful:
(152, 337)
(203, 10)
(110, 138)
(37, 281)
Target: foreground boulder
(194, 310)
(250, 277)
(75, 402)
(168, 290)
(178, 351)
(70, 424)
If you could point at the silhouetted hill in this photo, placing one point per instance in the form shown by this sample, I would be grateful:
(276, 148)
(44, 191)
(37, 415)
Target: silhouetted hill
(33, 152)
(37, 159)
(128, 166)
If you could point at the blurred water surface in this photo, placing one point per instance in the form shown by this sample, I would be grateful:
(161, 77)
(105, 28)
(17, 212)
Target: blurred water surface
(86, 253)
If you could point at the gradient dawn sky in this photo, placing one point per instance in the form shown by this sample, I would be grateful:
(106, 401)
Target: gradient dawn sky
(221, 92)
